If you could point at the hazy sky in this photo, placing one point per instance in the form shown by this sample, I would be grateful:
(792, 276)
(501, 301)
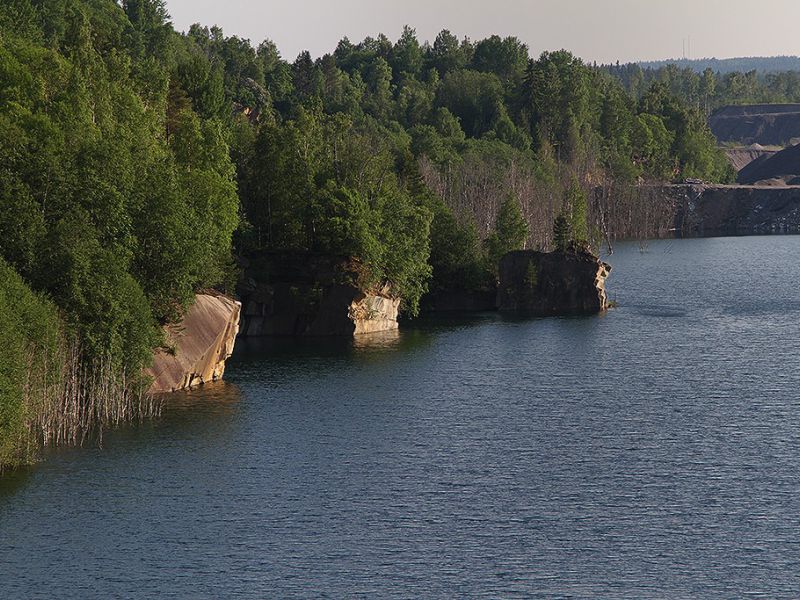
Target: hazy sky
(596, 30)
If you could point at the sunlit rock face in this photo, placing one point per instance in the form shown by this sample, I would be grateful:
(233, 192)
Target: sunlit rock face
(198, 347)
(555, 283)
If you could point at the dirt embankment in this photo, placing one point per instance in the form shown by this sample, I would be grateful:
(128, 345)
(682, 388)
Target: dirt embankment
(741, 157)
(765, 124)
(778, 169)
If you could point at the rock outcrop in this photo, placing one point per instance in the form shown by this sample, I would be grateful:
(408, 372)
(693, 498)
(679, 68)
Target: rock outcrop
(313, 295)
(720, 210)
(551, 284)
(198, 346)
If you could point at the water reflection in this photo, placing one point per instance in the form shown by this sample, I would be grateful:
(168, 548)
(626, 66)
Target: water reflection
(13, 482)
(649, 454)
(216, 398)
(381, 340)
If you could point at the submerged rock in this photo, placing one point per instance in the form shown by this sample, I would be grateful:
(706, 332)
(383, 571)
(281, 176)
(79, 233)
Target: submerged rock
(198, 346)
(555, 283)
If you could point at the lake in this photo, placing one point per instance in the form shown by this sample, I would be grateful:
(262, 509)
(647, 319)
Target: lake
(650, 452)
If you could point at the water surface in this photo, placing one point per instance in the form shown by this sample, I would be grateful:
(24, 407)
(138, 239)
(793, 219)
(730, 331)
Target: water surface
(650, 452)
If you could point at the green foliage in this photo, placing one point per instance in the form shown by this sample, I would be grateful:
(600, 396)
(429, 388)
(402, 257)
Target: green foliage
(562, 232)
(510, 232)
(31, 338)
(532, 275)
(129, 155)
(577, 208)
(118, 200)
(474, 98)
(457, 259)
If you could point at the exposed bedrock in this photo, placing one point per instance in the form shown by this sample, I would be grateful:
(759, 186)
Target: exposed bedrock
(313, 295)
(549, 284)
(197, 347)
(735, 210)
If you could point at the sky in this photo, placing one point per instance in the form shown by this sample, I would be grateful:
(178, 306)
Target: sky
(596, 30)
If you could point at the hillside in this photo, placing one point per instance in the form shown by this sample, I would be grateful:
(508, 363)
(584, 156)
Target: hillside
(741, 156)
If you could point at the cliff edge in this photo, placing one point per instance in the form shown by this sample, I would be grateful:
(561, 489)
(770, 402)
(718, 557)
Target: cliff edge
(198, 346)
(308, 294)
(552, 284)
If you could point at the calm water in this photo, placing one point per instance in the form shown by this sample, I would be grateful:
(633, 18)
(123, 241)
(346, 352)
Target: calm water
(652, 452)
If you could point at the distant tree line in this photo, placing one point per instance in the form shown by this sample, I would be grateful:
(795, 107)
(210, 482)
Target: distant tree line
(710, 89)
(761, 64)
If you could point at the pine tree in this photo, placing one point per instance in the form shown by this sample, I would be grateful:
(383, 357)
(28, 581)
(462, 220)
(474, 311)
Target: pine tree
(510, 231)
(562, 233)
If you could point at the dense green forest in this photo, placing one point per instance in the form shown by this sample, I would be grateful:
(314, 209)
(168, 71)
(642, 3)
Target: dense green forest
(136, 163)
(709, 89)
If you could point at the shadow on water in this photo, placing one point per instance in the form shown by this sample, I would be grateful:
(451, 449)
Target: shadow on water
(204, 410)
(13, 482)
(368, 347)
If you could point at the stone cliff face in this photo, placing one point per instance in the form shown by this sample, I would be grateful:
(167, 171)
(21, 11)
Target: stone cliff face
(550, 284)
(199, 345)
(309, 294)
(735, 210)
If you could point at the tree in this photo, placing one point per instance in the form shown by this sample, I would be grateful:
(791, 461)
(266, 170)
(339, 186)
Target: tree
(447, 53)
(505, 57)
(556, 96)
(577, 209)
(151, 24)
(510, 232)
(406, 55)
(474, 98)
(562, 232)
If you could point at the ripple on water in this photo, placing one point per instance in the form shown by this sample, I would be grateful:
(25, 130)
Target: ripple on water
(652, 452)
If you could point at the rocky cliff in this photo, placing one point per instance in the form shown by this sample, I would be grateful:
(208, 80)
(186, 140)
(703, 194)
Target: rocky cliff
(738, 210)
(555, 283)
(198, 346)
(312, 294)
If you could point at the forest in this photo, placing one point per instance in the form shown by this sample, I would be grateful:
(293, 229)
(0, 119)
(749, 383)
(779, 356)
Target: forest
(712, 87)
(137, 163)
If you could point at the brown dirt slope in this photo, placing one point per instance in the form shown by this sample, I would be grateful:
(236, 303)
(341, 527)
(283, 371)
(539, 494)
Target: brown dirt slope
(742, 156)
(783, 166)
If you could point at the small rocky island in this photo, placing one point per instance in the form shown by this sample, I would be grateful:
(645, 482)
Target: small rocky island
(551, 284)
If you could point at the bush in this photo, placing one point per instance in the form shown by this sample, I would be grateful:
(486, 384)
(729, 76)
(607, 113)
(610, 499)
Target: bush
(31, 336)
